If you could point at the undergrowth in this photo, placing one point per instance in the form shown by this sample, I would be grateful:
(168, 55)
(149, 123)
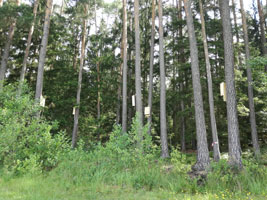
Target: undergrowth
(126, 162)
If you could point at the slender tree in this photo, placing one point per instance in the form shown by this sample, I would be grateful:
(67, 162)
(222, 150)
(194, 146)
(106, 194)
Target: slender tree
(263, 38)
(236, 32)
(151, 65)
(202, 144)
(98, 73)
(7, 48)
(42, 55)
(163, 124)
(253, 125)
(181, 88)
(233, 129)
(78, 98)
(29, 40)
(118, 112)
(139, 107)
(1, 4)
(124, 85)
(216, 150)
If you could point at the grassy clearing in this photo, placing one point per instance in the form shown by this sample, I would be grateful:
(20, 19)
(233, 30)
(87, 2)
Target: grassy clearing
(60, 187)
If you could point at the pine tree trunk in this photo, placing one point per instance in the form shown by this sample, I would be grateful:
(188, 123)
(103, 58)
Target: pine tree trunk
(62, 7)
(42, 55)
(1, 4)
(182, 135)
(118, 111)
(215, 141)
(183, 122)
(263, 39)
(202, 144)
(125, 69)
(7, 49)
(163, 124)
(236, 32)
(139, 106)
(29, 40)
(98, 73)
(76, 50)
(233, 129)
(151, 66)
(98, 90)
(78, 98)
(253, 125)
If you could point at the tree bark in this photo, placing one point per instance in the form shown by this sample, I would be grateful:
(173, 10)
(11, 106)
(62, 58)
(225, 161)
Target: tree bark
(125, 69)
(233, 129)
(29, 40)
(42, 55)
(139, 106)
(7, 49)
(163, 123)
(236, 32)
(151, 66)
(98, 71)
(118, 111)
(98, 90)
(183, 122)
(78, 98)
(263, 39)
(253, 124)
(182, 135)
(76, 50)
(202, 144)
(215, 141)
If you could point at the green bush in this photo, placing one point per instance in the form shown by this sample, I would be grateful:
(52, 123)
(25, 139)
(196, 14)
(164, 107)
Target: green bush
(26, 143)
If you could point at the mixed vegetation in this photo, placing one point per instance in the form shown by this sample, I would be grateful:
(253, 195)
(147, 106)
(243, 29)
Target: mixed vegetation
(60, 141)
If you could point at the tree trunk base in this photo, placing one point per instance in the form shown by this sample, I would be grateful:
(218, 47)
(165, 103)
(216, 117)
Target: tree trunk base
(199, 167)
(201, 176)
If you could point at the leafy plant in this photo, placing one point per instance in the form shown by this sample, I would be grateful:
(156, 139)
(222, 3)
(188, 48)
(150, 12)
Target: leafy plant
(26, 143)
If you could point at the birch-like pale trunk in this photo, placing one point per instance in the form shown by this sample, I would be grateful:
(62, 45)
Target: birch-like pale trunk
(78, 97)
(42, 55)
(151, 66)
(233, 127)
(215, 140)
(202, 144)
(125, 69)
(252, 116)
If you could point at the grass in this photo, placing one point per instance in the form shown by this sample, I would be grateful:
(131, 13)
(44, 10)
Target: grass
(77, 183)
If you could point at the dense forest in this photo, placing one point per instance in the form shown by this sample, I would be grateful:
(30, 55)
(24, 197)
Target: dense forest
(133, 99)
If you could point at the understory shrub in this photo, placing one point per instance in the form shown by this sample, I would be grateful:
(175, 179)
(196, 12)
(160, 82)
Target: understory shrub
(252, 178)
(26, 143)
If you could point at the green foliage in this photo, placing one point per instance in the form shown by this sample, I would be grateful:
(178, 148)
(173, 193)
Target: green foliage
(180, 162)
(250, 180)
(26, 143)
